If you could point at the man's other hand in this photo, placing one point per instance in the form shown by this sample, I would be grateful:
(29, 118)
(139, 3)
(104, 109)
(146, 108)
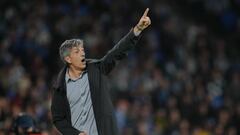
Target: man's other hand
(83, 133)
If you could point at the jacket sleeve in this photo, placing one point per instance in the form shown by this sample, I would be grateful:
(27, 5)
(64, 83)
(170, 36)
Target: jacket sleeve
(59, 118)
(118, 52)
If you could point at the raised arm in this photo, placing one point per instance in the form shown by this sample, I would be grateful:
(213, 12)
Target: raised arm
(120, 50)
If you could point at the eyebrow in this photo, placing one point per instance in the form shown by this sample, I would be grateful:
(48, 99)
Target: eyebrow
(77, 48)
(74, 49)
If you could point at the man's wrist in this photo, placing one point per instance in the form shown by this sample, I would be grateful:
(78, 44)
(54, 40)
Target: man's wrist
(137, 30)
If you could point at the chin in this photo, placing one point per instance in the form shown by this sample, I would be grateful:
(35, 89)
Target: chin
(83, 66)
(80, 67)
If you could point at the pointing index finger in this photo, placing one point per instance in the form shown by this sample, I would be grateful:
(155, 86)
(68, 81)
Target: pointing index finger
(145, 12)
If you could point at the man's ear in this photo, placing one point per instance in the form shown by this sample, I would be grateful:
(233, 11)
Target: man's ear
(68, 59)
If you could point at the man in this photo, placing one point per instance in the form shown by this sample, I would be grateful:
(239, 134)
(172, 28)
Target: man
(81, 104)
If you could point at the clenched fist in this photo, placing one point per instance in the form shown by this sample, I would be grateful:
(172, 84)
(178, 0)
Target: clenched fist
(143, 23)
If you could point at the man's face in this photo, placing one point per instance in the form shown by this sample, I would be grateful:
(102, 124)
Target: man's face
(76, 57)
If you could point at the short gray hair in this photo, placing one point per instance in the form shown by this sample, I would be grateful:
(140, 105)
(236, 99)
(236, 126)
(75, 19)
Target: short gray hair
(66, 46)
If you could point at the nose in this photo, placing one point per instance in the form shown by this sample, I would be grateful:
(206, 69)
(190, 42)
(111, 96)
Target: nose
(83, 53)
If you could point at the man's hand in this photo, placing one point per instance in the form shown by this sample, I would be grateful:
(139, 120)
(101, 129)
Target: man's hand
(143, 23)
(84, 133)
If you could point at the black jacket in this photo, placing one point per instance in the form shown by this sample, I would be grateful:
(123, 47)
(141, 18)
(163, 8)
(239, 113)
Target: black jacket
(102, 105)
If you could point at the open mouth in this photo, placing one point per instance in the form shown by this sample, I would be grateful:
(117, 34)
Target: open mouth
(83, 60)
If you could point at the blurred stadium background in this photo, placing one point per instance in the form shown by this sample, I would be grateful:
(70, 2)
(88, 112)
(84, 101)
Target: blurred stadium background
(183, 78)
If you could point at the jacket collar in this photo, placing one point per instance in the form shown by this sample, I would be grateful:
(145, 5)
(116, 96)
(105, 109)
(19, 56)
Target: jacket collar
(60, 81)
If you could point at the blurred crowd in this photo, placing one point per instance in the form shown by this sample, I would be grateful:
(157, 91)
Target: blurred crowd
(183, 78)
